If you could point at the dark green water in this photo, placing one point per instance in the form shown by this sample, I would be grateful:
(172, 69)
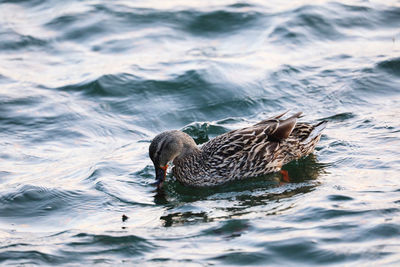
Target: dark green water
(86, 85)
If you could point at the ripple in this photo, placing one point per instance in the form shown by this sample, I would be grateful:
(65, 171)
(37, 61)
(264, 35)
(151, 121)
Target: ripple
(339, 198)
(105, 18)
(375, 85)
(324, 213)
(383, 230)
(230, 229)
(305, 24)
(12, 41)
(40, 128)
(97, 88)
(30, 257)
(391, 66)
(34, 201)
(390, 16)
(199, 98)
(221, 22)
(341, 117)
(353, 16)
(306, 251)
(128, 245)
(243, 258)
(86, 84)
(200, 132)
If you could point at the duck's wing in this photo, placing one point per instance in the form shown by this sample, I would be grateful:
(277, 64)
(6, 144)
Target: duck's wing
(243, 147)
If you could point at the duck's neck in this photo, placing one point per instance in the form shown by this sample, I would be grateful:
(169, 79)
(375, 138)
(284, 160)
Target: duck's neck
(188, 166)
(189, 151)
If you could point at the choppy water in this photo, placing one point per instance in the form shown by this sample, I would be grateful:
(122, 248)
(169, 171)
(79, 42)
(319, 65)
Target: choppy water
(85, 85)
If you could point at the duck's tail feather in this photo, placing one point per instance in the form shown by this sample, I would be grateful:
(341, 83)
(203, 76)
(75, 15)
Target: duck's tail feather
(297, 115)
(277, 117)
(284, 128)
(318, 128)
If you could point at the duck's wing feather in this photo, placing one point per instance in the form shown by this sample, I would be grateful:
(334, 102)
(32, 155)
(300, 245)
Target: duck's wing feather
(245, 148)
(272, 130)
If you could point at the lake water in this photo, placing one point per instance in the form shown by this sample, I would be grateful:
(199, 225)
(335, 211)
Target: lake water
(86, 85)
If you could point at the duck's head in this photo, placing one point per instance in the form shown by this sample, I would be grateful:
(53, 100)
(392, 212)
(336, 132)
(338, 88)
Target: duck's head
(165, 148)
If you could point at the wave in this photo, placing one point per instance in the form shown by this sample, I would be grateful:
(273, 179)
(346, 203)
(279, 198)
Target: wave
(85, 85)
(391, 66)
(30, 257)
(29, 201)
(13, 41)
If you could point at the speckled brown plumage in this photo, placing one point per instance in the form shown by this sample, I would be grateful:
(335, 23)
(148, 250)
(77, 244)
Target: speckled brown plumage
(248, 152)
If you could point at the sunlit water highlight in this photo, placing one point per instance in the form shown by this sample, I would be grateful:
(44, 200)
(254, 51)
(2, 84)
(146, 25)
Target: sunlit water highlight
(85, 85)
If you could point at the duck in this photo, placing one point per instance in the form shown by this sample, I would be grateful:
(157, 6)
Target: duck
(252, 151)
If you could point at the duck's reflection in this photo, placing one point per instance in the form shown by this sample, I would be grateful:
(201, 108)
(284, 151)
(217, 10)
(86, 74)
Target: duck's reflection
(180, 218)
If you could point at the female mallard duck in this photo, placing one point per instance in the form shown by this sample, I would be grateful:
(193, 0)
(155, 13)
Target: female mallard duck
(252, 151)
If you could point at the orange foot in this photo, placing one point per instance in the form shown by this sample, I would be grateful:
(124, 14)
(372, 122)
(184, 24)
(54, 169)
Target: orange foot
(285, 175)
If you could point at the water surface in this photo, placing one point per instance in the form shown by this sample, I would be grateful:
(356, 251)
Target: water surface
(86, 85)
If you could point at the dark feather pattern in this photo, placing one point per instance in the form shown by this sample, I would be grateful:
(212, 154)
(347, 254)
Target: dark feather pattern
(247, 152)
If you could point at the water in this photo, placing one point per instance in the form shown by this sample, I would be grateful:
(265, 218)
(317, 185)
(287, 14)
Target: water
(86, 85)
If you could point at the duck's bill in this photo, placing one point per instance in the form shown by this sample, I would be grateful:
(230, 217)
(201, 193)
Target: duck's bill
(160, 177)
